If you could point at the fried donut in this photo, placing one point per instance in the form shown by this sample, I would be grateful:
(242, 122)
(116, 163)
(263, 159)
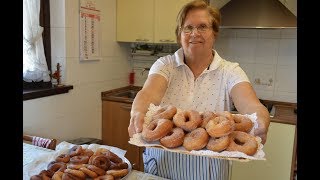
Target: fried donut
(57, 175)
(225, 114)
(156, 129)
(105, 177)
(63, 158)
(218, 144)
(75, 151)
(206, 117)
(48, 173)
(165, 112)
(112, 156)
(242, 123)
(39, 177)
(76, 173)
(101, 161)
(79, 160)
(219, 126)
(87, 152)
(69, 176)
(75, 166)
(121, 165)
(173, 139)
(243, 142)
(196, 139)
(88, 172)
(187, 120)
(95, 169)
(118, 172)
(56, 166)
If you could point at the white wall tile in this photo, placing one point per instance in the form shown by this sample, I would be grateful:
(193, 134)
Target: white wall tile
(264, 73)
(287, 52)
(249, 69)
(246, 33)
(286, 79)
(244, 49)
(230, 33)
(269, 33)
(289, 33)
(267, 51)
(223, 46)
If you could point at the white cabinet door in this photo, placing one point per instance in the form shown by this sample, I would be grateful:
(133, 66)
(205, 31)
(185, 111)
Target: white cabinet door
(135, 20)
(278, 150)
(166, 12)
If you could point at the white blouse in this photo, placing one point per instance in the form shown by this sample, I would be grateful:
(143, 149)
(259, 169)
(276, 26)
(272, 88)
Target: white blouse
(209, 92)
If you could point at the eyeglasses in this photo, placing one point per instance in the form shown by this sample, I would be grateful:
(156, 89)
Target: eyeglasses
(201, 28)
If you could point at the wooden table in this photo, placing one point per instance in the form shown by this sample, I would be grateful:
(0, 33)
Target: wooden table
(32, 165)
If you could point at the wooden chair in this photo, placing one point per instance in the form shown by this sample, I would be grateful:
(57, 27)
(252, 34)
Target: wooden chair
(41, 142)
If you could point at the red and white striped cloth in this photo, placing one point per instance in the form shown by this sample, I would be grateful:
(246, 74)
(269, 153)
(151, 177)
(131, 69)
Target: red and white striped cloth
(42, 142)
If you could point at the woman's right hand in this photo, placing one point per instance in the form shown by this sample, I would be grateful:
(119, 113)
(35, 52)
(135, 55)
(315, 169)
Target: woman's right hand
(136, 123)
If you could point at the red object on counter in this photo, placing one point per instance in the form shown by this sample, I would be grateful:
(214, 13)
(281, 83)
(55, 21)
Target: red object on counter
(131, 78)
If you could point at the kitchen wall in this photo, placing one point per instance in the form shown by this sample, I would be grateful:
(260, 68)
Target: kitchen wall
(78, 113)
(268, 56)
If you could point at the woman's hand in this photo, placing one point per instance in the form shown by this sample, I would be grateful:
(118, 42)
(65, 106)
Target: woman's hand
(136, 123)
(261, 131)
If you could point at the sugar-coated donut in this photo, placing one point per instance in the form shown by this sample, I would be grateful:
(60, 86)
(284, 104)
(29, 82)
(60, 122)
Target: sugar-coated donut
(156, 129)
(79, 160)
(226, 114)
(187, 120)
(206, 117)
(243, 142)
(75, 166)
(104, 177)
(219, 126)
(242, 123)
(63, 158)
(88, 172)
(196, 139)
(75, 151)
(76, 173)
(57, 166)
(173, 139)
(218, 144)
(96, 169)
(165, 112)
(118, 172)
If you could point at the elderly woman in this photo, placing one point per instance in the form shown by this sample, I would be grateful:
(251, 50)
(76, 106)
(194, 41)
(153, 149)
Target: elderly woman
(195, 77)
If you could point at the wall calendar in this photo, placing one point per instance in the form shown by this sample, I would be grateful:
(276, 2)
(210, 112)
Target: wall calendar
(89, 31)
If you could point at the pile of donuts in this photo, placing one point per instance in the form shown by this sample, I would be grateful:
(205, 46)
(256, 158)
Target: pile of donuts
(219, 131)
(81, 163)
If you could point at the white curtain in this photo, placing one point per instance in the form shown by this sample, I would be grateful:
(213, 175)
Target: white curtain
(35, 66)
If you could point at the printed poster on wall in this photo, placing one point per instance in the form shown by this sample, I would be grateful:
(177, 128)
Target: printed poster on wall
(89, 31)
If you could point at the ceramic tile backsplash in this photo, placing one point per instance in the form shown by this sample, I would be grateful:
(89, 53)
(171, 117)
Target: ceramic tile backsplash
(268, 56)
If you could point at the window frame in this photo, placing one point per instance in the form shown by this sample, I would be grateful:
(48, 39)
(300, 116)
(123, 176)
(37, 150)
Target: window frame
(32, 90)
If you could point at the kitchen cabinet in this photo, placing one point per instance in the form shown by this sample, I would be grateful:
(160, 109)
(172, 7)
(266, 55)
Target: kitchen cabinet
(279, 150)
(135, 20)
(291, 5)
(115, 122)
(150, 21)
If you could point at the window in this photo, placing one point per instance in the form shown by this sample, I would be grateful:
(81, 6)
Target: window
(32, 90)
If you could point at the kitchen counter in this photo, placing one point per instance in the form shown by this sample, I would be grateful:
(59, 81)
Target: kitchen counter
(110, 95)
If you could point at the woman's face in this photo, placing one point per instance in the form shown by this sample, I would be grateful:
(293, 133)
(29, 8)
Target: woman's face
(197, 42)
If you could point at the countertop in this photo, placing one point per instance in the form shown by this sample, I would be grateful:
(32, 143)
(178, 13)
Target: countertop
(284, 111)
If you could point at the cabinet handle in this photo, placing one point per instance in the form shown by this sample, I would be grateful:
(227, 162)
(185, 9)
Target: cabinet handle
(142, 40)
(127, 107)
(166, 40)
